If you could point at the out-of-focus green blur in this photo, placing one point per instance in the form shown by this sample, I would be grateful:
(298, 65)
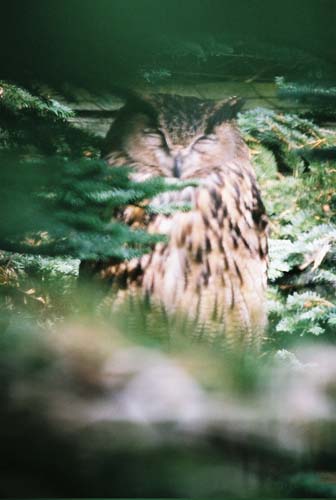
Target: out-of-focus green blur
(98, 43)
(87, 409)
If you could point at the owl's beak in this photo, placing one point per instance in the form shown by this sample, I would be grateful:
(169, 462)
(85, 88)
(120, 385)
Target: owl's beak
(177, 166)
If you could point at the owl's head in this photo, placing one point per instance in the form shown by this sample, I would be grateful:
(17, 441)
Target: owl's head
(174, 136)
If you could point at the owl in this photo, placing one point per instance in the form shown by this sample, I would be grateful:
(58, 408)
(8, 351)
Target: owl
(212, 266)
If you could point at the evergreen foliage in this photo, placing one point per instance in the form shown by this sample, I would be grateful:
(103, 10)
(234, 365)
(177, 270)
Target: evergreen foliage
(69, 209)
(320, 99)
(33, 126)
(58, 205)
(61, 204)
(295, 163)
(17, 100)
(220, 57)
(286, 135)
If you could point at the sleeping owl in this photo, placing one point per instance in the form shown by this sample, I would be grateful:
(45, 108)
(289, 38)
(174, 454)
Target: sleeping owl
(212, 266)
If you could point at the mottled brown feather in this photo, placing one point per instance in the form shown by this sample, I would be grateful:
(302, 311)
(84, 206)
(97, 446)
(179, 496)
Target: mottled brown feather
(213, 267)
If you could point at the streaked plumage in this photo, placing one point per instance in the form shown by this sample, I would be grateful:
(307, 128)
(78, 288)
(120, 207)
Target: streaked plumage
(213, 267)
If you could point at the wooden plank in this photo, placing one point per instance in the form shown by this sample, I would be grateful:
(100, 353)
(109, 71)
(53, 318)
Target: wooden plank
(95, 111)
(255, 94)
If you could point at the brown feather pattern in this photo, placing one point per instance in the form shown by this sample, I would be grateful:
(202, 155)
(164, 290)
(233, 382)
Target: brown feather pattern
(213, 267)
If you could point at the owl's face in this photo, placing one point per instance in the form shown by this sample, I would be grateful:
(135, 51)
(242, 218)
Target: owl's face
(174, 136)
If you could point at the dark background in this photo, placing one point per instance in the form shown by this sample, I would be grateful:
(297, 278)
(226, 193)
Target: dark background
(96, 41)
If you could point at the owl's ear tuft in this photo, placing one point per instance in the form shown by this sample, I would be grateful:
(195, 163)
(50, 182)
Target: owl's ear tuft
(135, 104)
(138, 103)
(224, 111)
